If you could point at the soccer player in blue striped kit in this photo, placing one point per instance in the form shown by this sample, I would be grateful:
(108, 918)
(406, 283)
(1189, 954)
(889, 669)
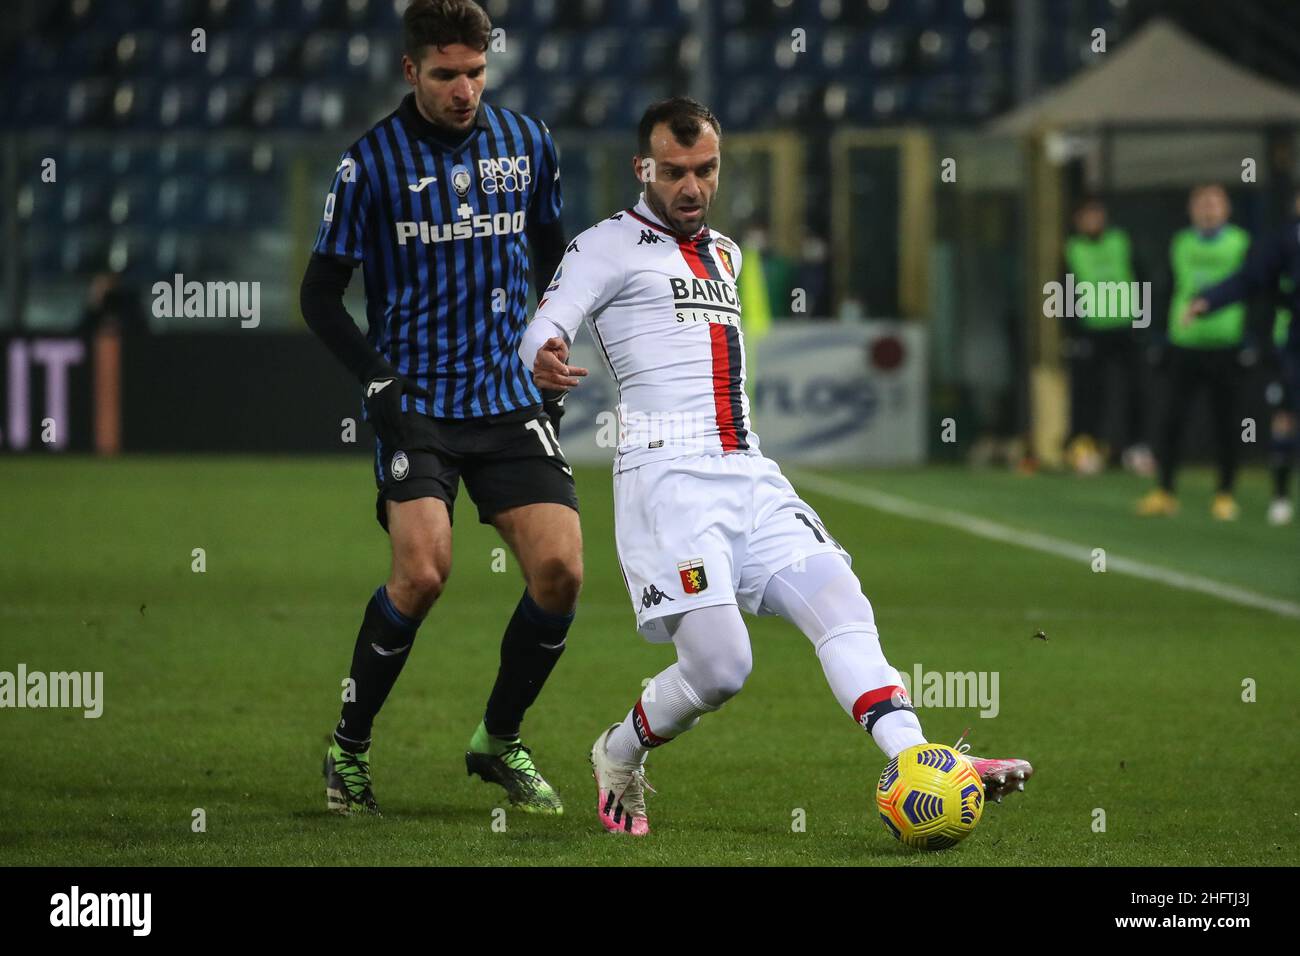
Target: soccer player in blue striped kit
(442, 204)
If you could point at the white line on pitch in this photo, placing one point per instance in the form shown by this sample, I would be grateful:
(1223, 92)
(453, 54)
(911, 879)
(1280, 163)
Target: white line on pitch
(890, 504)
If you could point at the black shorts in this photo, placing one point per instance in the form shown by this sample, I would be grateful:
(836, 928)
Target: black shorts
(507, 460)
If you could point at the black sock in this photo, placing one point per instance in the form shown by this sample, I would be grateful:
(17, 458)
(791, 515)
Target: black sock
(383, 644)
(1281, 453)
(533, 642)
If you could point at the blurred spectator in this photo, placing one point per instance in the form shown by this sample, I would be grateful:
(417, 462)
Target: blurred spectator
(1273, 264)
(112, 304)
(778, 271)
(1206, 355)
(813, 276)
(1103, 349)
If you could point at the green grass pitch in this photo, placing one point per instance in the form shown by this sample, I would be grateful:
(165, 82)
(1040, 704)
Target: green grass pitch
(221, 687)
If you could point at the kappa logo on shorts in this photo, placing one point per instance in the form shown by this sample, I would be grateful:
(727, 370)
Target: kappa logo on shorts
(694, 580)
(651, 597)
(400, 466)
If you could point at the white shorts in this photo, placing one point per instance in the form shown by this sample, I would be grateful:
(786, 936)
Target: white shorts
(701, 530)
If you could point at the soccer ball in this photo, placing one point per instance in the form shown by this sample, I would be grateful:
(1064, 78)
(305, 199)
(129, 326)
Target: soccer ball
(930, 797)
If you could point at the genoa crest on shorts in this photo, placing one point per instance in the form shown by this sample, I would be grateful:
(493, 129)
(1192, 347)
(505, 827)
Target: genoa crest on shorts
(694, 579)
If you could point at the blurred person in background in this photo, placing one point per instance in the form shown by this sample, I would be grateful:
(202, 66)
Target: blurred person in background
(777, 271)
(1104, 351)
(1273, 264)
(1207, 355)
(813, 276)
(113, 305)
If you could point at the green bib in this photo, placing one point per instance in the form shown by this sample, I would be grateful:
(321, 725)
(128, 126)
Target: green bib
(1199, 263)
(1108, 258)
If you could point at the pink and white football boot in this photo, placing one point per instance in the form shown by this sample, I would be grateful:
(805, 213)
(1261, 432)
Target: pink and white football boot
(1000, 777)
(620, 791)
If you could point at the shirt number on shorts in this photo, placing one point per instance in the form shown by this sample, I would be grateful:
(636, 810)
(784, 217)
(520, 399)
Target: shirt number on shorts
(550, 441)
(818, 529)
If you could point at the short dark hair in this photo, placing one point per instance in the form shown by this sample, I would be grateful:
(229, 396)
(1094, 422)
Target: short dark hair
(443, 23)
(685, 117)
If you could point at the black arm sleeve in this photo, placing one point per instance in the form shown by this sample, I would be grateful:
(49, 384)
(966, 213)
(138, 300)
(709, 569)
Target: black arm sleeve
(1259, 274)
(546, 244)
(321, 300)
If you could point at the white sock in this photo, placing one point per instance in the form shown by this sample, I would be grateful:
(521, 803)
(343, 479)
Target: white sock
(825, 601)
(895, 732)
(865, 685)
(666, 708)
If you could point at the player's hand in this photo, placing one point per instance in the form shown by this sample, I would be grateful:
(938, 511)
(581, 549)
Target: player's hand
(383, 400)
(550, 368)
(1197, 306)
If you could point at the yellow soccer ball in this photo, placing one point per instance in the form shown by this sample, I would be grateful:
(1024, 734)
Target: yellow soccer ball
(930, 797)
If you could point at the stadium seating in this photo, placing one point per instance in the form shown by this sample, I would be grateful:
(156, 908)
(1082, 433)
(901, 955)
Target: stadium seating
(124, 76)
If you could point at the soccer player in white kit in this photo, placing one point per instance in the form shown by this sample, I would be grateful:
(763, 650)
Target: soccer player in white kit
(706, 526)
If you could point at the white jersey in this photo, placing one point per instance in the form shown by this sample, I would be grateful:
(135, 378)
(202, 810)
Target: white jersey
(665, 314)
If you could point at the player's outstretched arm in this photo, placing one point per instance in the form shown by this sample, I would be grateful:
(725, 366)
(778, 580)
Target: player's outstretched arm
(588, 277)
(1259, 273)
(546, 244)
(545, 350)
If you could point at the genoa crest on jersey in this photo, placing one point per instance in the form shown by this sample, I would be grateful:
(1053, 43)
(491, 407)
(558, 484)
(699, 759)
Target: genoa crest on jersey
(694, 580)
(725, 256)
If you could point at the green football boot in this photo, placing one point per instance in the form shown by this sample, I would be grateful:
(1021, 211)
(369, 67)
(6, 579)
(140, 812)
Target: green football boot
(347, 782)
(510, 764)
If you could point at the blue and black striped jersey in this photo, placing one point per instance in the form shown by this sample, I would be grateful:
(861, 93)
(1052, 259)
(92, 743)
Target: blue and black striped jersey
(439, 232)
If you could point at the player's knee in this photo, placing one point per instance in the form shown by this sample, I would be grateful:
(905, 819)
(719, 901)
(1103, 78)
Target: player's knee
(555, 584)
(418, 586)
(722, 675)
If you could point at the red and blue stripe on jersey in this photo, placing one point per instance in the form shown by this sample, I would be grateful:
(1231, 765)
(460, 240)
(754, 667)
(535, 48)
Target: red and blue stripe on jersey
(446, 312)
